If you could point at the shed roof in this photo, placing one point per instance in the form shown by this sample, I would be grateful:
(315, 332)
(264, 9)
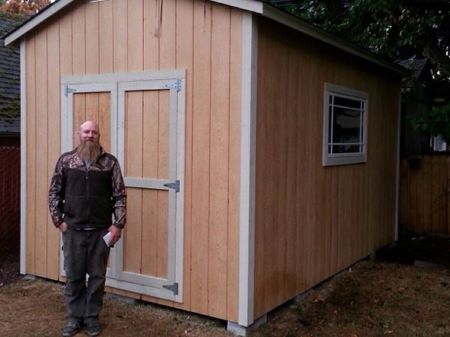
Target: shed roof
(261, 7)
(9, 69)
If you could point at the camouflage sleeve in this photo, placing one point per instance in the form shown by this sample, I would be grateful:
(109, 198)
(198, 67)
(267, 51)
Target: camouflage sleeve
(56, 195)
(119, 197)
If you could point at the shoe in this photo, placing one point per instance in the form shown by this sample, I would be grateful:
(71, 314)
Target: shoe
(71, 328)
(92, 327)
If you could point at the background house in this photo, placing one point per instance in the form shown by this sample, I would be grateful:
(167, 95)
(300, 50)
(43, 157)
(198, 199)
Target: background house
(259, 153)
(9, 134)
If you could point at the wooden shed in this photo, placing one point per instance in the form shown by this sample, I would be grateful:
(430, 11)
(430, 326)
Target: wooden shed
(260, 154)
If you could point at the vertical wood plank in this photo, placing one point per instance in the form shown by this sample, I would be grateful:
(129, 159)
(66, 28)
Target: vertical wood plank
(234, 165)
(435, 194)
(79, 116)
(92, 107)
(151, 39)
(41, 160)
(54, 137)
(65, 42)
(133, 168)
(150, 169)
(167, 43)
(162, 173)
(218, 187)
(291, 172)
(201, 155)
(92, 38)
(31, 156)
(104, 117)
(448, 194)
(79, 40)
(106, 30)
(120, 35)
(135, 38)
(444, 202)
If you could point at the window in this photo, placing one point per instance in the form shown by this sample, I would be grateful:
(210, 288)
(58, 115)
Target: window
(345, 126)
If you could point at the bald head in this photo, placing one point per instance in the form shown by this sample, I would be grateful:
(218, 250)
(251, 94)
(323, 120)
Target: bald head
(89, 132)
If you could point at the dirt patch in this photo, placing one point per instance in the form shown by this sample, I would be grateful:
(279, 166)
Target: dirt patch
(9, 264)
(371, 299)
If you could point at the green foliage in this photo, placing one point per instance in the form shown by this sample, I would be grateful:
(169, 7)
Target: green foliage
(397, 29)
(436, 122)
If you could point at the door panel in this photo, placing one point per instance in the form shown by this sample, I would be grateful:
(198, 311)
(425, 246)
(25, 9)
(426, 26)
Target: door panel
(96, 107)
(146, 156)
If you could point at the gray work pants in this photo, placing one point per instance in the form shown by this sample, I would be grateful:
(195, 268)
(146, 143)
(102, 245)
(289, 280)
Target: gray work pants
(85, 252)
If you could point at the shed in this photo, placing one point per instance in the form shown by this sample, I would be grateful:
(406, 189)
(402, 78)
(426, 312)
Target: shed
(260, 154)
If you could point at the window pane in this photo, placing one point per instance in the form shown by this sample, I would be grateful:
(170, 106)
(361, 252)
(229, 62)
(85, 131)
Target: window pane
(348, 102)
(346, 126)
(346, 149)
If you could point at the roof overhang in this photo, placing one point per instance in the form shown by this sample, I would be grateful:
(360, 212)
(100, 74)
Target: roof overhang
(254, 6)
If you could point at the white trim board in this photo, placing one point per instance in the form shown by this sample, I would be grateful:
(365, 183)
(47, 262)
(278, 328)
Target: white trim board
(248, 157)
(23, 159)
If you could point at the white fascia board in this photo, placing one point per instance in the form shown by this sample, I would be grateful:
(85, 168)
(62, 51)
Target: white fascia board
(291, 21)
(254, 6)
(36, 20)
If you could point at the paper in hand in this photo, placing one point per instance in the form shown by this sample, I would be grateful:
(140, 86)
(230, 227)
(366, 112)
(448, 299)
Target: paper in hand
(108, 239)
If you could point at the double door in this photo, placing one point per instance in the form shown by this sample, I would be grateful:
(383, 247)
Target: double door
(141, 121)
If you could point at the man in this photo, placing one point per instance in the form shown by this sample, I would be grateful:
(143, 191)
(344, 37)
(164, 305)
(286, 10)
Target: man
(86, 190)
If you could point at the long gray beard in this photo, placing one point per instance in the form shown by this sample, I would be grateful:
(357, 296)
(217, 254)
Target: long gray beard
(88, 150)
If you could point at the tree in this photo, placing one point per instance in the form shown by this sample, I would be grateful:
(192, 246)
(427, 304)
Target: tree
(398, 29)
(28, 7)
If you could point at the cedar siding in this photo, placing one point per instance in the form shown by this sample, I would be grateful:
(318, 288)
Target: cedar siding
(313, 221)
(203, 38)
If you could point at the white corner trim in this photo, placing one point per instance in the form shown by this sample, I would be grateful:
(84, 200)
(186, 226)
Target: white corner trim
(23, 158)
(36, 20)
(247, 187)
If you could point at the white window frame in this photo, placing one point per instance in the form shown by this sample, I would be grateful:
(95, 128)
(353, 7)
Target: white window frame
(330, 159)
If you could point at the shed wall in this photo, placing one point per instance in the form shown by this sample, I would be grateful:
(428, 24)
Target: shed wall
(313, 221)
(127, 36)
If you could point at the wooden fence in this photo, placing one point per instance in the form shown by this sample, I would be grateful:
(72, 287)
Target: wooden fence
(424, 194)
(9, 195)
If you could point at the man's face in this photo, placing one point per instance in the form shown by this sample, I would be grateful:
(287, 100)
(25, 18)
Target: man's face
(89, 132)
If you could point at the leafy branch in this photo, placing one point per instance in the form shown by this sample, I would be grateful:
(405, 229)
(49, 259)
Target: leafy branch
(435, 122)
